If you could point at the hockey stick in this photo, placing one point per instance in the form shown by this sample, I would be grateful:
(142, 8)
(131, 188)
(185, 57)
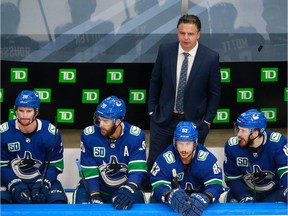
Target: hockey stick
(253, 181)
(174, 173)
(50, 157)
(83, 178)
(82, 175)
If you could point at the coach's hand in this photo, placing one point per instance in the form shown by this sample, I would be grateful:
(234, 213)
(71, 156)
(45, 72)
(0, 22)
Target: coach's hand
(19, 191)
(125, 197)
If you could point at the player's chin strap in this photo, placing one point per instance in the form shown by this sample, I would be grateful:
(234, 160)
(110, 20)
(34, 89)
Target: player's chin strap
(113, 131)
(252, 140)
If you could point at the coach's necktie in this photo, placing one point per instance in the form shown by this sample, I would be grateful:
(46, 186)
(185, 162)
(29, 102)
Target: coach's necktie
(181, 84)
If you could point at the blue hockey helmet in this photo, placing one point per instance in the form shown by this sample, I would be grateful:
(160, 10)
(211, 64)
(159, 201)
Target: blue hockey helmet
(186, 131)
(252, 119)
(111, 108)
(28, 98)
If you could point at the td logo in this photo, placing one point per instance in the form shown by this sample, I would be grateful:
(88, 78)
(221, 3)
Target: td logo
(67, 75)
(269, 74)
(115, 76)
(90, 96)
(44, 94)
(11, 114)
(225, 75)
(270, 114)
(286, 94)
(222, 116)
(245, 94)
(19, 74)
(65, 115)
(1, 95)
(137, 96)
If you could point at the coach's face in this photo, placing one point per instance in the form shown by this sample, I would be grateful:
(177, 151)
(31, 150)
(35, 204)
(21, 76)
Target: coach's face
(188, 36)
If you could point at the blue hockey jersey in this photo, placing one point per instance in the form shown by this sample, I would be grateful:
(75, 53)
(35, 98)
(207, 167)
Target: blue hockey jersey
(203, 174)
(262, 170)
(109, 164)
(26, 157)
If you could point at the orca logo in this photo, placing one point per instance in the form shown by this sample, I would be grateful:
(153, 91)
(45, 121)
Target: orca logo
(259, 180)
(26, 167)
(114, 173)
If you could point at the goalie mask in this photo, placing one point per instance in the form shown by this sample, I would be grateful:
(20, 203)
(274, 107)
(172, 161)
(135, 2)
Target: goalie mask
(252, 119)
(111, 108)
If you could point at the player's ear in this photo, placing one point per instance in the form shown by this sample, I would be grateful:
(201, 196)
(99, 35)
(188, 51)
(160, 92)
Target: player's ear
(256, 133)
(118, 122)
(36, 112)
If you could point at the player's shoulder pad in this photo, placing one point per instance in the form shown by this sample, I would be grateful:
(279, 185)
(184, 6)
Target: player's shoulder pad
(89, 130)
(4, 127)
(275, 137)
(233, 141)
(134, 130)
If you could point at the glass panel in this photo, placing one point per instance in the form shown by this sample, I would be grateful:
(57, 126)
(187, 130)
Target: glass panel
(132, 30)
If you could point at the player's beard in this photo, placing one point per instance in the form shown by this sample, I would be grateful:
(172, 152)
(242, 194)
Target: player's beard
(244, 143)
(186, 157)
(109, 132)
(25, 121)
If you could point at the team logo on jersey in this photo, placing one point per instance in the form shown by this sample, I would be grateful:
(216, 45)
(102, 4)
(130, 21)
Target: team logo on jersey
(52, 129)
(202, 155)
(113, 173)
(259, 180)
(242, 161)
(275, 137)
(89, 130)
(169, 157)
(13, 147)
(285, 149)
(4, 127)
(26, 167)
(180, 176)
(233, 141)
(99, 152)
(135, 130)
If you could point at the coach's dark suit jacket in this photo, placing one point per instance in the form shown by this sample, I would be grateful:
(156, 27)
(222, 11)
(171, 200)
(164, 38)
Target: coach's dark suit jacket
(202, 91)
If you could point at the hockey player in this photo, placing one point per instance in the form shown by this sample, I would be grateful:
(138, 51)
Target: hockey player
(256, 166)
(26, 148)
(186, 175)
(113, 158)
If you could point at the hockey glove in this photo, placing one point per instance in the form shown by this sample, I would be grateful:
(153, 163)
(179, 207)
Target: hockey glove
(247, 199)
(19, 191)
(199, 202)
(124, 197)
(179, 200)
(96, 198)
(40, 193)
